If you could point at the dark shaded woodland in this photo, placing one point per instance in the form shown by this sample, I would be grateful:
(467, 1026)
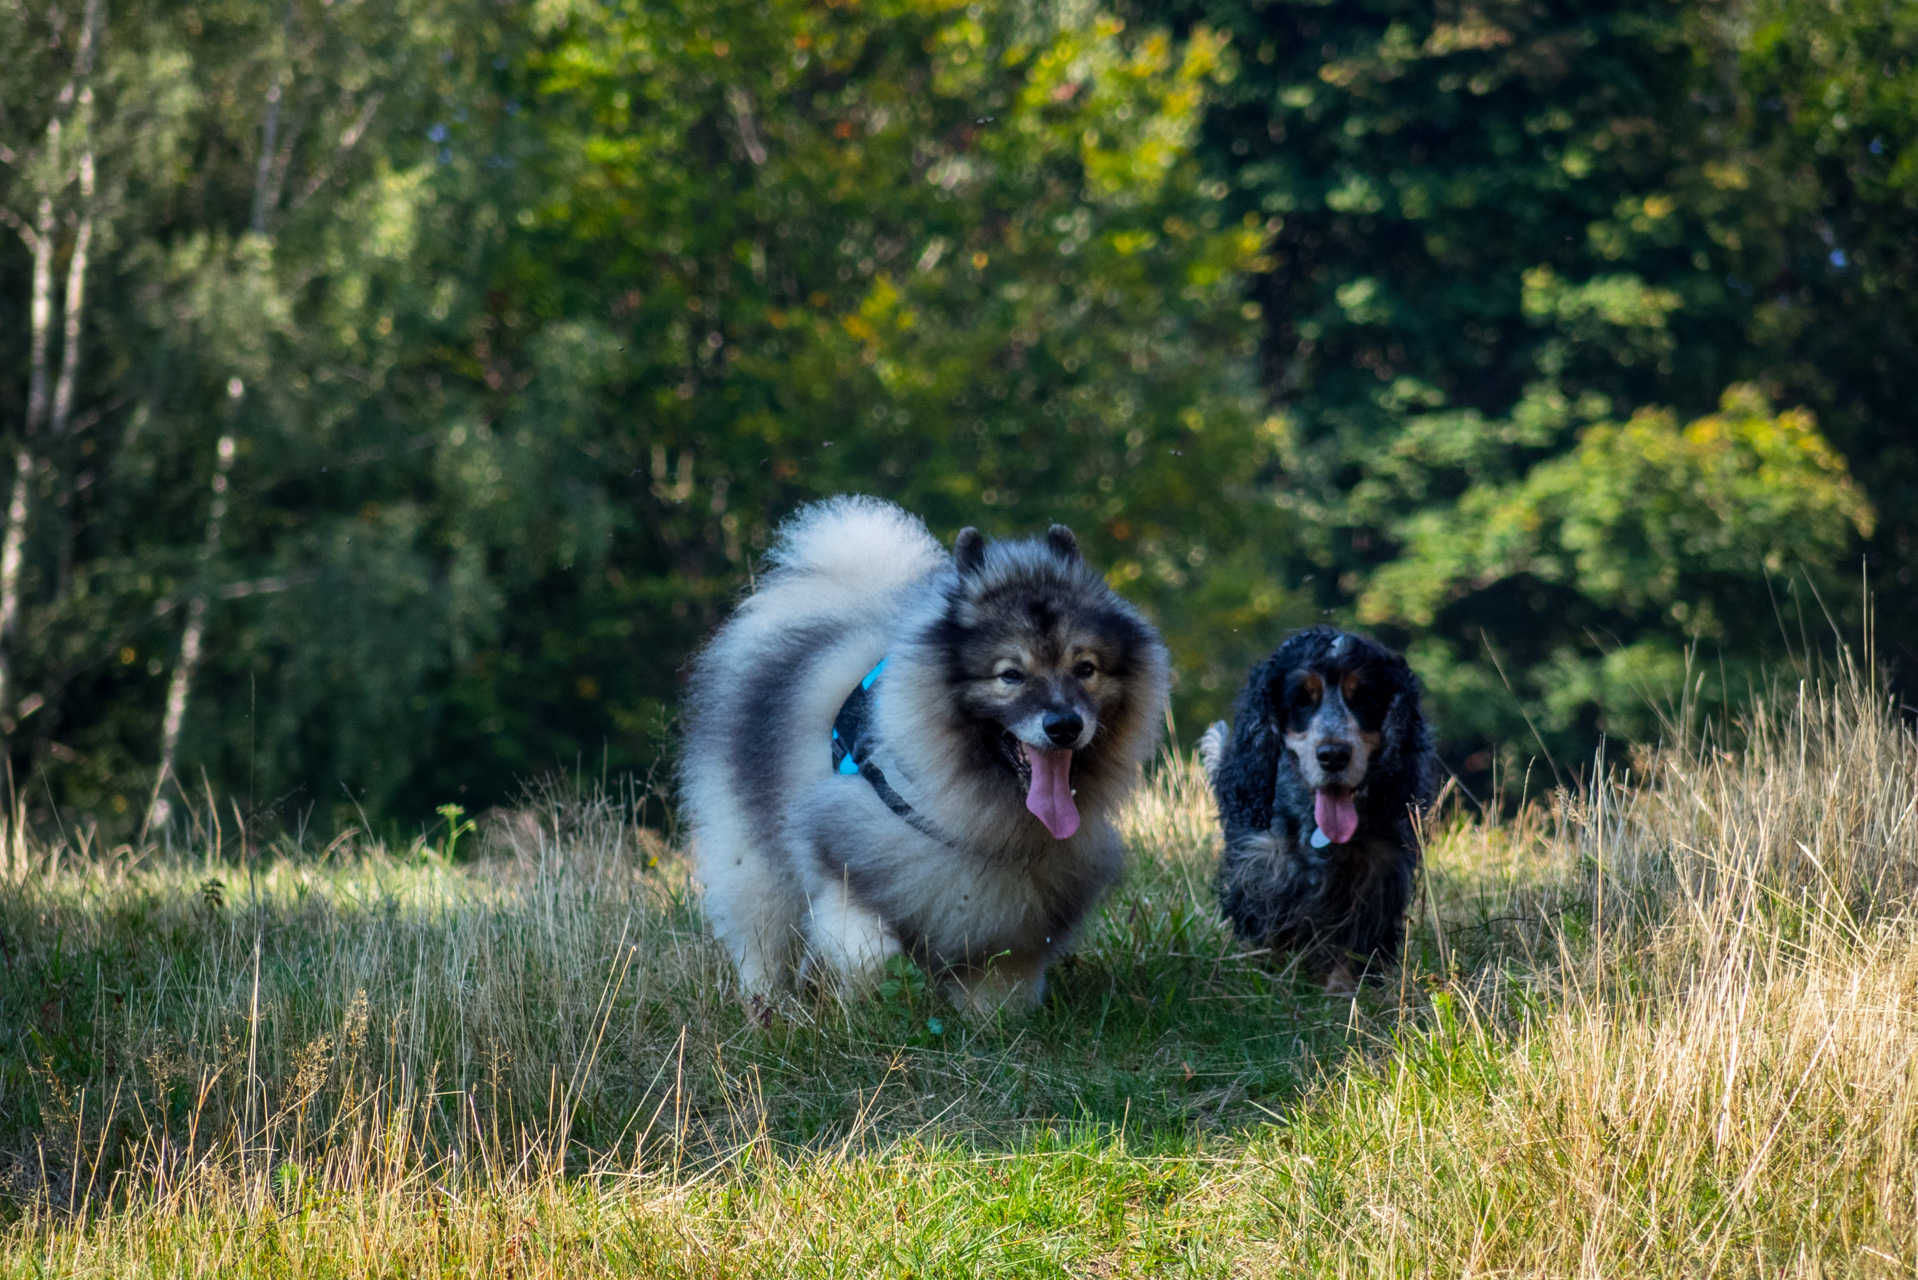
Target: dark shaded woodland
(395, 393)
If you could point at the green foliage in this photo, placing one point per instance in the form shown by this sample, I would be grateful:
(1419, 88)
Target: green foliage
(529, 325)
(1498, 233)
(1825, 144)
(1653, 523)
(965, 266)
(1642, 514)
(540, 326)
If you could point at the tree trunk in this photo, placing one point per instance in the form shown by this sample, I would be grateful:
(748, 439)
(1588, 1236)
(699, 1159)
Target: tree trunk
(40, 309)
(176, 698)
(10, 556)
(265, 189)
(75, 307)
(262, 183)
(73, 311)
(60, 419)
(180, 686)
(13, 542)
(75, 97)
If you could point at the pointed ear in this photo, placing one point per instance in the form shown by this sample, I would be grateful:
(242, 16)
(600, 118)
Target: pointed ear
(1063, 544)
(969, 551)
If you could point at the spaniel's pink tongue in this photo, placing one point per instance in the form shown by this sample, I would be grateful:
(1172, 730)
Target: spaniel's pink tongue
(1050, 798)
(1337, 816)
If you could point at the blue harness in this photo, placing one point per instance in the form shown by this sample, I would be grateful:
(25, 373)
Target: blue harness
(852, 751)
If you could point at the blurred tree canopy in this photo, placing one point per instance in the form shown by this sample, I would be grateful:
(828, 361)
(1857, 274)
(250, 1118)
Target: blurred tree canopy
(1515, 246)
(397, 392)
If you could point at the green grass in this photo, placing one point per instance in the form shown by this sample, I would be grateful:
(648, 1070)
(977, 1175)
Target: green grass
(1671, 1028)
(582, 952)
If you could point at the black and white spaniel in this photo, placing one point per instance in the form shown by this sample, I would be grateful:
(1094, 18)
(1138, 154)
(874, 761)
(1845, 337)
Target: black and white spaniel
(1320, 779)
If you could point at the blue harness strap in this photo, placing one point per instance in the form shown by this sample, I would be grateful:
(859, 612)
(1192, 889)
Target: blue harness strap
(849, 748)
(852, 751)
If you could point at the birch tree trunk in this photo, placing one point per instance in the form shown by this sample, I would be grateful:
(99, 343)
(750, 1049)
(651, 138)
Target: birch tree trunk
(181, 683)
(60, 418)
(25, 462)
(262, 179)
(76, 97)
(265, 189)
(74, 309)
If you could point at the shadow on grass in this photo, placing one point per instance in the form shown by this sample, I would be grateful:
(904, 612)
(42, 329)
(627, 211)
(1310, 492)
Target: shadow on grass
(556, 1003)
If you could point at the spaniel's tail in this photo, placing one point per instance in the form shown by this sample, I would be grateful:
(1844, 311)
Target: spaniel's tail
(1212, 747)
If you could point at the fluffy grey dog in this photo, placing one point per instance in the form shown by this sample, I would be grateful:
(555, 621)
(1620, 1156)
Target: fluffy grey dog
(892, 751)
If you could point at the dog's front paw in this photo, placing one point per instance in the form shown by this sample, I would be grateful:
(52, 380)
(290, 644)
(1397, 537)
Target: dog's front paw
(847, 943)
(1341, 983)
(1004, 987)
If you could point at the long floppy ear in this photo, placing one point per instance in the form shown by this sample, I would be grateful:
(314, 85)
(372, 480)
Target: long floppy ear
(1249, 774)
(1063, 544)
(1399, 722)
(969, 551)
(1405, 747)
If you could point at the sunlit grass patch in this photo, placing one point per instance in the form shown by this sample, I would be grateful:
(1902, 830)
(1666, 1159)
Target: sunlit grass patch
(1059, 1207)
(1669, 1026)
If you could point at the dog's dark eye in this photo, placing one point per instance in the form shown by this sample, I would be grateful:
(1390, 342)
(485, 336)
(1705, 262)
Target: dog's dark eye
(1013, 677)
(1369, 703)
(1085, 670)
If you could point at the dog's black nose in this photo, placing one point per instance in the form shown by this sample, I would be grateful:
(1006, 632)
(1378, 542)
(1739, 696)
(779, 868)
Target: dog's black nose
(1334, 756)
(1064, 729)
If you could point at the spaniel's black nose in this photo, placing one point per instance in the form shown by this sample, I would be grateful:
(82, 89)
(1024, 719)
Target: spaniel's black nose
(1064, 729)
(1334, 756)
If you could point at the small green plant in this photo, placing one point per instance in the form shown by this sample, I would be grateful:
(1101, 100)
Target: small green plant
(457, 825)
(905, 989)
(289, 1181)
(904, 984)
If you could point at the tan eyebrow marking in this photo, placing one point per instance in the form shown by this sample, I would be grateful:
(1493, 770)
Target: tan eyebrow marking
(1022, 659)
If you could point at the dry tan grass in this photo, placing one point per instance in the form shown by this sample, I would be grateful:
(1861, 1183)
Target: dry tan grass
(1669, 1027)
(1706, 1061)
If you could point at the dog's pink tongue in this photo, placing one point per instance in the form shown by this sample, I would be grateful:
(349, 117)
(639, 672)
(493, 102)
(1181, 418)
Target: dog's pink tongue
(1337, 816)
(1050, 798)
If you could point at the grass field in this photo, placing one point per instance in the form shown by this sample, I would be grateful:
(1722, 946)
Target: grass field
(1669, 1027)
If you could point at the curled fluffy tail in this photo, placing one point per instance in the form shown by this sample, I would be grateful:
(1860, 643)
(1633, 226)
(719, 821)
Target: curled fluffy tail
(1212, 747)
(855, 541)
